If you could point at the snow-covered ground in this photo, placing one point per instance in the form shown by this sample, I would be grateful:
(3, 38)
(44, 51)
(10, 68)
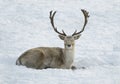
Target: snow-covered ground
(25, 24)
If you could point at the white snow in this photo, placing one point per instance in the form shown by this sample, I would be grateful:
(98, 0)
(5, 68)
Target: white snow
(25, 24)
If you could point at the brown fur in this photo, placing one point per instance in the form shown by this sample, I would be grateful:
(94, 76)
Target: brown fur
(50, 57)
(42, 57)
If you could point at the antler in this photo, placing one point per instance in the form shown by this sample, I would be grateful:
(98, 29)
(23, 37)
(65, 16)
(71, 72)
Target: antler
(52, 23)
(85, 13)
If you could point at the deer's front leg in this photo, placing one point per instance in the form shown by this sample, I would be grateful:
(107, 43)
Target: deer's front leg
(73, 67)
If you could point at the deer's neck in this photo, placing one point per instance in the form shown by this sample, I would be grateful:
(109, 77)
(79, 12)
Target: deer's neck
(69, 56)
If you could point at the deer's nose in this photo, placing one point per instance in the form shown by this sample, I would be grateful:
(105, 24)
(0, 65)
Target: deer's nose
(69, 45)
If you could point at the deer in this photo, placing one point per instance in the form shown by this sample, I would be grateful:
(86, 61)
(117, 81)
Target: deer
(53, 57)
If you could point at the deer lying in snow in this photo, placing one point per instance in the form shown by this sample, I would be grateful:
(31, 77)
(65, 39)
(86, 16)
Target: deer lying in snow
(53, 57)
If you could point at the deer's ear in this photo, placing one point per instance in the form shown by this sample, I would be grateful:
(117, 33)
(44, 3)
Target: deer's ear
(77, 36)
(62, 37)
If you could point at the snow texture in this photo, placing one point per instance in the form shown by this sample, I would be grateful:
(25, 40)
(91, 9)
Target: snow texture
(25, 24)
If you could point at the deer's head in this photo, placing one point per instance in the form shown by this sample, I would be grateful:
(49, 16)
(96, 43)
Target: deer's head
(69, 40)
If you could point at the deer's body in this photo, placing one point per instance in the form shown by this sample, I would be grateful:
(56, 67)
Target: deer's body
(46, 57)
(53, 57)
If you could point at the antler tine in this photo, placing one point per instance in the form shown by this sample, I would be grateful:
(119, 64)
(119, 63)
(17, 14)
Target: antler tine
(52, 22)
(85, 13)
(52, 17)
